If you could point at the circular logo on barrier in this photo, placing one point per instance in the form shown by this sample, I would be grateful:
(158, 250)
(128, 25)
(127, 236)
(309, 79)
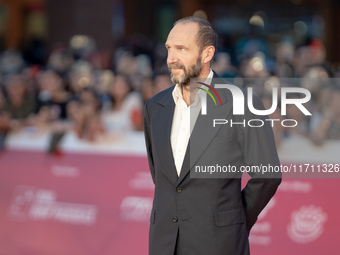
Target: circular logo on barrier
(307, 224)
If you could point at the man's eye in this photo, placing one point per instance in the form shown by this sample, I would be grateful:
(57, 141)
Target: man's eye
(181, 49)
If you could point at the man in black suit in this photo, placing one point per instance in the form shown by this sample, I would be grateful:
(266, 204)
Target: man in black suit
(195, 214)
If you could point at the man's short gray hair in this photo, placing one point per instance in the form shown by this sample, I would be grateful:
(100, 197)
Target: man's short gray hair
(206, 35)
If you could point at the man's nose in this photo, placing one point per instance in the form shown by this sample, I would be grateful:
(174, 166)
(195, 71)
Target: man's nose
(172, 57)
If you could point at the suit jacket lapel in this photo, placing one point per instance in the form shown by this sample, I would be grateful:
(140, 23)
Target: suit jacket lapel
(204, 131)
(162, 136)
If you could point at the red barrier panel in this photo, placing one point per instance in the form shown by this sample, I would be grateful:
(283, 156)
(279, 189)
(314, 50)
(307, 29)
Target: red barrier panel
(90, 204)
(74, 204)
(302, 218)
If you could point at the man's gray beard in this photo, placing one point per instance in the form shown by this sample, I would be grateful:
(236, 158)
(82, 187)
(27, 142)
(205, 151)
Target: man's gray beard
(193, 72)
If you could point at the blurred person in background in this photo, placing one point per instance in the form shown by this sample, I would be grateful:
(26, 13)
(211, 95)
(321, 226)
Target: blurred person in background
(322, 98)
(20, 104)
(143, 65)
(159, 57)
(60, 60)
(317, 52)
(223, 67)
(85, 114)
(284, 58)
(301, 60)
(147, 89)
(136, 68)
(311, 54)
(279, 130)
(162, 82)
(52, 97)
(254, 73)
(329, 125)
(126, 63)
(316, 81)
(11, 62)
(81, 76)
(124, 112)
(254, 67)
(103, 83)
(4, 119)
(82, 47)
(17, 109)
(293, 112)
(313, 79)
(2, 99)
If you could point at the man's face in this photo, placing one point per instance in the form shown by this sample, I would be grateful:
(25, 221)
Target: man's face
(184, 60)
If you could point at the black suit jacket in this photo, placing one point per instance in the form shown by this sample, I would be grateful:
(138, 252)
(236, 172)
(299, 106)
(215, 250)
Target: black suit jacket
(207, 215)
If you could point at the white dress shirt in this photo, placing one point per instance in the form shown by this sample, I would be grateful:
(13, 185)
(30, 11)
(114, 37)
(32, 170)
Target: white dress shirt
(184, 116)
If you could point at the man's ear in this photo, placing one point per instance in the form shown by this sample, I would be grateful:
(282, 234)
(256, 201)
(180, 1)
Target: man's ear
(208, 54)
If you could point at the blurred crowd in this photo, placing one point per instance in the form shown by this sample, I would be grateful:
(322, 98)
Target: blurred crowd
(99, 97)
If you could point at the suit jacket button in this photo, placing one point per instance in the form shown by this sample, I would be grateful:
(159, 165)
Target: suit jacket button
(179, 189)
(174, 219)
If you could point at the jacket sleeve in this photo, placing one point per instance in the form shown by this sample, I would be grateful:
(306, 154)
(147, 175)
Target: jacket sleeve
(258, 148)
(148, 142)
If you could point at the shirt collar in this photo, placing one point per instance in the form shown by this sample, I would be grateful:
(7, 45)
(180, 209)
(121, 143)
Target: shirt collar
(177, 93)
